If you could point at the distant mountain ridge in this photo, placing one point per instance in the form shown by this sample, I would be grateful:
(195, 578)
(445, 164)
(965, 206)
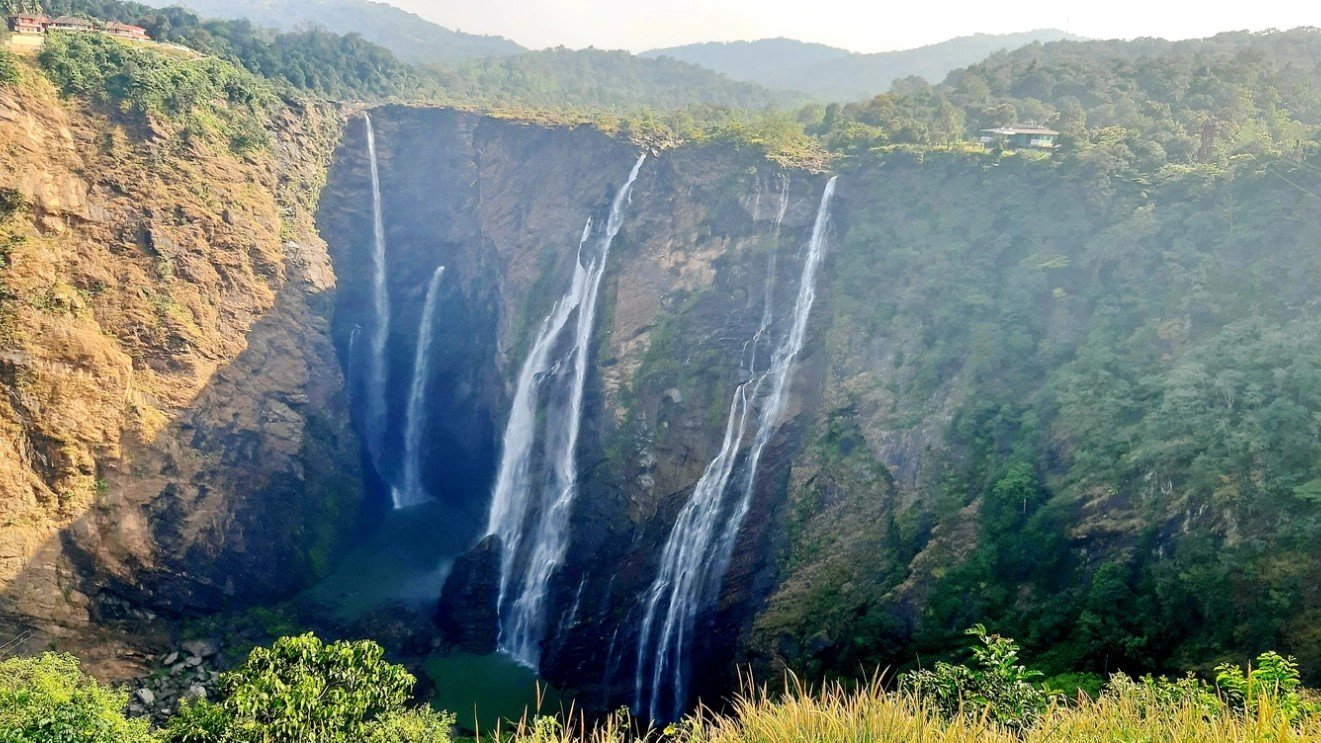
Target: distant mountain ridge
(412, 38)
(610, 80)
(832, 74)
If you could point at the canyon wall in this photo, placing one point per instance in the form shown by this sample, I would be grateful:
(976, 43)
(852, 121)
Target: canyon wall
(502, 206)
(174, 436)
(956, 364)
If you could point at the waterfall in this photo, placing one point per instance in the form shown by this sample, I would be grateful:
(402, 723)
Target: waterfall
(701, 541)
(768, 295)
(376, 373)
(412, 493)
(530, 509)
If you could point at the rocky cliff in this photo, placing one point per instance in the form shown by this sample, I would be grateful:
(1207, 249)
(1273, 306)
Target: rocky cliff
(175, 435)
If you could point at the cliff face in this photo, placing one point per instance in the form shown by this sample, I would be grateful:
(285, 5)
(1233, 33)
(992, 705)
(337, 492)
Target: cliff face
(502, 206)
(941, 460)
(174, 429)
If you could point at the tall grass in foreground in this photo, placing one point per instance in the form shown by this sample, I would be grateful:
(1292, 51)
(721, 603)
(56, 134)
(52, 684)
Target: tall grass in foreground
(1127, 711)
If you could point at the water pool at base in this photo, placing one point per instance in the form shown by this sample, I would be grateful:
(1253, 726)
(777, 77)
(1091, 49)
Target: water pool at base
(486, 690)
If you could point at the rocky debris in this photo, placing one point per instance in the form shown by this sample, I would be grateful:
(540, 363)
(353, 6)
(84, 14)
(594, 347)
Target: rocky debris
(187, 673)
(201, 648)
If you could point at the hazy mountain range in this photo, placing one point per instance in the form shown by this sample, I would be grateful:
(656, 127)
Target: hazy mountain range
(830, 73)
(411, 37)
(796, 69)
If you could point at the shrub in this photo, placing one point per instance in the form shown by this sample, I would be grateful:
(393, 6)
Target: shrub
(1274, 680)
(11, 202)
(413, 726)
(1158, 693)
(8, 68)
(205, 96)
(301, 690)
(994, 685)
(48, 699)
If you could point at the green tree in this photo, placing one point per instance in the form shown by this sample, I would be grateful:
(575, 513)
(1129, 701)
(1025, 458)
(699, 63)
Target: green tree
(995, 684)
(48, 699)
(301, 690)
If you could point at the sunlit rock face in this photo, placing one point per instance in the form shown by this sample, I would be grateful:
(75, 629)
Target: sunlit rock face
(175, 439)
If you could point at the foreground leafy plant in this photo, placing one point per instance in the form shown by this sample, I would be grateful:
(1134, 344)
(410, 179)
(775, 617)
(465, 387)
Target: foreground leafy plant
(995, 685)
(48, 699)
(301, 690)
(1274, 680)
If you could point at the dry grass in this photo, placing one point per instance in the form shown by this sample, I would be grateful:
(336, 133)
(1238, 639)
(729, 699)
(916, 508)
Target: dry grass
(1128, 712)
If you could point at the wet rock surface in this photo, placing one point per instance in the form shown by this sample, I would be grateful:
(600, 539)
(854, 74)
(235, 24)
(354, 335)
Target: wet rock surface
(466, 615)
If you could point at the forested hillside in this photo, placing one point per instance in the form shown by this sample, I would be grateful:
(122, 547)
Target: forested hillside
(1096, 401)
(326, 64)
(1141, 106)
(313, 61)
(598, 80)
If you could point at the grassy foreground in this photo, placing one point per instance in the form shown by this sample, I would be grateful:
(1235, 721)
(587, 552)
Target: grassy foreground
(1127, 711)
(301, 690)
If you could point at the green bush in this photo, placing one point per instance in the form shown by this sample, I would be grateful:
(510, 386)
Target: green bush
(1274, 679)
(413, 726)
(205, 96)
(48, 699)
(995, 685)
(301, 690)
(8, 68)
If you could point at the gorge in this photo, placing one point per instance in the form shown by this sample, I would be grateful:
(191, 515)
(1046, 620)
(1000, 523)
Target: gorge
(749, 415)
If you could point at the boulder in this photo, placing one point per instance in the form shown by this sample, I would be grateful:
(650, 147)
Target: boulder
(201, 648)
(468, 616)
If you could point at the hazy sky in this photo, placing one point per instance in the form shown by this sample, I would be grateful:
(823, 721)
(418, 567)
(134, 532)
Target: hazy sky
(861, 25)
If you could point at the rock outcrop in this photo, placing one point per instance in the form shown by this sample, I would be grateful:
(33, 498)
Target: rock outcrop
(467, 616)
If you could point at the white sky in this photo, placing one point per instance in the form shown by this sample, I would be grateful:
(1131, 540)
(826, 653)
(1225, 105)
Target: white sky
(861, 25)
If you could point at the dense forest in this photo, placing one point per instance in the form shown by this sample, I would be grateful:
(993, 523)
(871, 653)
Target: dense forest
(1145, 104)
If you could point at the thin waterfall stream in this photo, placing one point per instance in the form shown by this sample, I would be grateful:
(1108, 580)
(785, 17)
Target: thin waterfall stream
(375, 419)
(701, 541)
(530, 509)
(412, 493)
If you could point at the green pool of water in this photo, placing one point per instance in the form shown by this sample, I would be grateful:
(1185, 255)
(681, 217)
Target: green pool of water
(406, 558)
(484, 690)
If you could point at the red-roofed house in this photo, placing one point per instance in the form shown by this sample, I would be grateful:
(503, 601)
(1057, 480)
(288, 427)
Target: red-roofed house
(70, 23)
(125, 30)
(28, 23)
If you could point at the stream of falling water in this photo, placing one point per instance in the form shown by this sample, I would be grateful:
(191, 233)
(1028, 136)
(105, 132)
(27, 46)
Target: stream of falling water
(701, 542)
(376, 373)
(412, 493)
(530, 509)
